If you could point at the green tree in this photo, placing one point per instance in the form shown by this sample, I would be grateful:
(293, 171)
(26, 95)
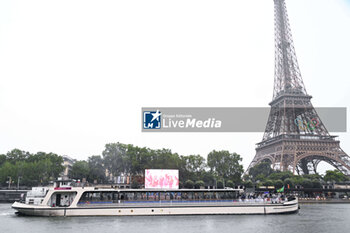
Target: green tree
(31, 175)
(189, 184)
(56, 165)
(297, 180)
(50, 164)
(306, 183)
(96, 168)
(268, 183)
(260, 177)
(198, 184)
(194, 164)
(261, 171)
(164, 159)
(43, 166)
(230, 184)
(316, 183)
(335, 176)
(248, 184)
(7, 170)
(16, 155)
(312, 176)
(279, 175)
(2, 159)
(114, 157)
(32, 169)
(208, 178)
(225, 164)
(289, 182)
(80, 170)
(278, 184)
(137, 159)
(220, 184)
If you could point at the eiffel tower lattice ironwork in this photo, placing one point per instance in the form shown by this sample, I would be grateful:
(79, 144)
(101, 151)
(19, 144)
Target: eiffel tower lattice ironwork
(287, 144)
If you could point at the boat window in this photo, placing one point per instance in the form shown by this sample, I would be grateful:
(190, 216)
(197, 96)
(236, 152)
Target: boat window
(153, 196)
(140, 196)
(98, 197)
(107, 197)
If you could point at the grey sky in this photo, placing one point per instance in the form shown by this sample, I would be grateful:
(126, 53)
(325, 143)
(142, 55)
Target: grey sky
(75, 74)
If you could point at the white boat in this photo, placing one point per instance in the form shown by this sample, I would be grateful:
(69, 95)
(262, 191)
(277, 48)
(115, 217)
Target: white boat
(93, 201)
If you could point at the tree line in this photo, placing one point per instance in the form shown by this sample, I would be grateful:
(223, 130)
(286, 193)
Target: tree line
(220, 167)
(29, 169)
(118, 158)
(263, 175)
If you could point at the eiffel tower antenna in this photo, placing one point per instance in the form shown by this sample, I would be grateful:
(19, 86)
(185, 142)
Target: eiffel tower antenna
(287, 144)
(287, 74)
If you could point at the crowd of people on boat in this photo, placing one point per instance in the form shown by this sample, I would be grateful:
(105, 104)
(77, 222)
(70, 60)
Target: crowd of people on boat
(263, 198)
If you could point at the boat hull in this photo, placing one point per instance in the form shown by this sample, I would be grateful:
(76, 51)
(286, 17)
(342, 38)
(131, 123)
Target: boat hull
(234, 209)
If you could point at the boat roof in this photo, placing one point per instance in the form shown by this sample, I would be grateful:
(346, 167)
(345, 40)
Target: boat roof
(151, 189)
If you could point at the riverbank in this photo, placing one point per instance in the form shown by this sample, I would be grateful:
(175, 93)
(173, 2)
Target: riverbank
(10, 196)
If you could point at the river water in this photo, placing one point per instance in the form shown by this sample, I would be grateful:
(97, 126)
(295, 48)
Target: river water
(311, 218)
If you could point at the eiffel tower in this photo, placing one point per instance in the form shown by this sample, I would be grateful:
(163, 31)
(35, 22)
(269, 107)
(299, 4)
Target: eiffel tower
(288, 143)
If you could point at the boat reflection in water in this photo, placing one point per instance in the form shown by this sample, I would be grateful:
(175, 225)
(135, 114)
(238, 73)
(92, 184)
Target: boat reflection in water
(65, 200)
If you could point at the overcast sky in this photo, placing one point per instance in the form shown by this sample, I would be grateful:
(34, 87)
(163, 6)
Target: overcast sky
(75, 74)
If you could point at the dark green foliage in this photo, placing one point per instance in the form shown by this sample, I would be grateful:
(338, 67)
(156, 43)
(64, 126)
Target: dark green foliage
(288, 182)
(261, 171)
(264, 173)
(33, 169)
(193, 166)
(312, 176)
(278, 175)
(80, 170)
(128, 159)
(198, 184)
(335, 176)
(117, 159)
(2, 159)
(225, 164)
(248, 184)
(220, 184)
(189, 184)
(297, 180)
(17, 155)
(306, 183)
(316, 184)
(208, 178)
(114, 157)
(278, 184)
(121, 158)
(268, 183)
(230, 184)
(96, 168)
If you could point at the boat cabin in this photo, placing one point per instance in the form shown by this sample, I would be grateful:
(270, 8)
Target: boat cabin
(143, 195)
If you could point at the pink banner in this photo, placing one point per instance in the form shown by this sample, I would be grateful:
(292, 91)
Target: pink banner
(163, 179)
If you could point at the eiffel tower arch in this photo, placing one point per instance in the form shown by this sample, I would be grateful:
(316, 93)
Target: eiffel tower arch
(295, 138)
